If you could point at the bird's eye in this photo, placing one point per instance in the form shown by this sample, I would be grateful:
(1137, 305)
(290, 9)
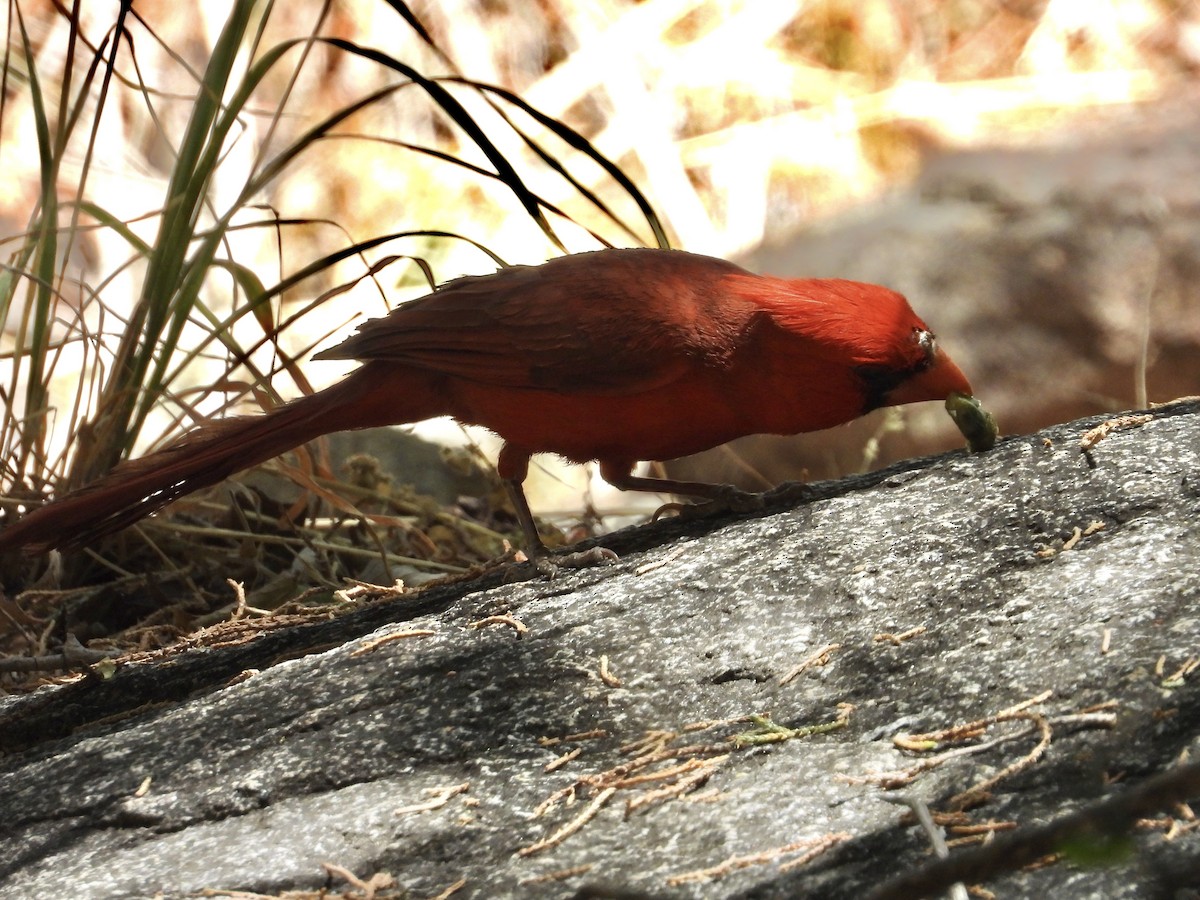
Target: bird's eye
(926, 341)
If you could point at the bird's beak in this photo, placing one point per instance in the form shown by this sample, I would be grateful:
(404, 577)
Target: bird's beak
(937, 382)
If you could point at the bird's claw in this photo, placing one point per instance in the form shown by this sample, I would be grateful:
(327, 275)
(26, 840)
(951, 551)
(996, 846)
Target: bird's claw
(738, 501)
(788, 492)
(724, 498)
(548, 563)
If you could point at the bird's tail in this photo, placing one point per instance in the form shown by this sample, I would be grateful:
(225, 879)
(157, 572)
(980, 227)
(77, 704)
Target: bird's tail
(205, 457)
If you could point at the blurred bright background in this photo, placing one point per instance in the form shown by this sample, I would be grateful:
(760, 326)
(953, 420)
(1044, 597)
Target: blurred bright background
(741, 122)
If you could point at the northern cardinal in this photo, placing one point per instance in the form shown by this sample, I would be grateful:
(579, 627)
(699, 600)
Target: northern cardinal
(615, 356)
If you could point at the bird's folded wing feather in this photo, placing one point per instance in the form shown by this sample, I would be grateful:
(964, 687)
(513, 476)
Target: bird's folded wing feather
(574, 328)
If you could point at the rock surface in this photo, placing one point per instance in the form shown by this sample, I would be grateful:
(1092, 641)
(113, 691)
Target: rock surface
(412, 736)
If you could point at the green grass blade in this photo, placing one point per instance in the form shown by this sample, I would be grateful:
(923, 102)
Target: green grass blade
(45, 256)
(165, 297)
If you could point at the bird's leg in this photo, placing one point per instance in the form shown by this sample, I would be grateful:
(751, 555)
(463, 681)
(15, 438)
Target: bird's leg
(718, 497)
(542, 557)
(513, 466)
(724, 495)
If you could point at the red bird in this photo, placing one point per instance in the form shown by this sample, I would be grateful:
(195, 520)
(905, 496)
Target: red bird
(614, 356)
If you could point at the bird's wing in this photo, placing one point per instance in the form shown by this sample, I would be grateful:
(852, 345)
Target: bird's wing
(607, 322)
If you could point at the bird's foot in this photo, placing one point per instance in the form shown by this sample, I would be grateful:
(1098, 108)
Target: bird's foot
(547, 563)
(723, 498)
(788, 492)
